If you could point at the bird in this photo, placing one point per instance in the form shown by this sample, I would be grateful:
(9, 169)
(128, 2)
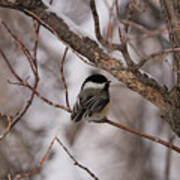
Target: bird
(93, 100)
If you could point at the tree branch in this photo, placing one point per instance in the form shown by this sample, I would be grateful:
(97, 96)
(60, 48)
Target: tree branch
(145, 86)
(141, 134)
(76, 163)
(172, 19)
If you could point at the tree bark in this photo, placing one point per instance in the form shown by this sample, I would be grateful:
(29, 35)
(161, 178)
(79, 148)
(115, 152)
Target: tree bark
(134, 79)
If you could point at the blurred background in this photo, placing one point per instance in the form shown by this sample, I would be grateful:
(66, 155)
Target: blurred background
(112, 154)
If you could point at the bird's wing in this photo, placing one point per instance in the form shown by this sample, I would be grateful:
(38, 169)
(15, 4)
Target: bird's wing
(78, 111)
(87, 107)
(95, 105)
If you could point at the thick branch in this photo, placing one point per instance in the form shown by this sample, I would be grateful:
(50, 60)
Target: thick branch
(142, 84)
(172, 14)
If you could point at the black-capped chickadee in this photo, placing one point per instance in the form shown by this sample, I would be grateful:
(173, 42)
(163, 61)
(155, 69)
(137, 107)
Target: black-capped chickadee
(93, 100)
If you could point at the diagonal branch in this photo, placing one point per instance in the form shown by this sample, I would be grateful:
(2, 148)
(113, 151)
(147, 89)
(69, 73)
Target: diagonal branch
(75, 161)
(145, 86)
(98, 31)
(63, 78)
(172, 19)
(141, 134)
(37, 169)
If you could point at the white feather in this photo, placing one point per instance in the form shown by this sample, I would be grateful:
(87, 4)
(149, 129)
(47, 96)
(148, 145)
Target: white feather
(94, 85)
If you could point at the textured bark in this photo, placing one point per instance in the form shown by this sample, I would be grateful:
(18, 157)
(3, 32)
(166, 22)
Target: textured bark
(147, 87)
(171, 11)
(136, 81)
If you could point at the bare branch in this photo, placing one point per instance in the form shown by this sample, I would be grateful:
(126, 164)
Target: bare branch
(9, 118)
(156, 55)
(172, 20)
(51, 1)
(47, 100)
(36, 32)
(33, 68)
(36, 170)
(27, 85)
(168, 157)
(141, 134)
(147, 87)
(98, 31)
(29, 102)
(63, 78)
(76, 163)
(23, 48)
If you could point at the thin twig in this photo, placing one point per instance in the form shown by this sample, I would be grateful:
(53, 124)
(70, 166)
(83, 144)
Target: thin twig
(35, 171)
(153, 56)
(128, 22)
(24, 83)
(124, 50)
(84, 60)
(117, 9)
(63, 78)
(168, 157)
(76, 163)
(21, 81)
(9, 118)
(141, 134)
(32, 65)
(156, 55)
(9, 177)
(137, 7)
(51, 1)
(10, 67)
(97, 29)
(36, 31)
(29, 102)
(23, 48)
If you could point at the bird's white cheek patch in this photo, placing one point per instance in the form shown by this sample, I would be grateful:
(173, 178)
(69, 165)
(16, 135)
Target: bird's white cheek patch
(94, 85)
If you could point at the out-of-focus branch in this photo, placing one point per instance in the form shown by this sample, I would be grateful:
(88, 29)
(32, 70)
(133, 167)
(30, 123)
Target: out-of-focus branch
(145, 32)
(172, 20)
(23, 49)
(76, 163)
(33, 64)
(50, 2)
(122, 48)
(63, 78)
(9, 119)
(98, 30)
(168, 158)
(33, 69)
(156, 55)
(27, 85)
(9, 177)
(36, 32)
(133, 78)
(172, 16)
(132, 67)
(36, 170)
(125, 52)
(141, 134)
(151, 90)
(23, 83)
(29, 102)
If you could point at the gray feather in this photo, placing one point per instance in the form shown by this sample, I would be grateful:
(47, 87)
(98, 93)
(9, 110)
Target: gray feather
(89, 102)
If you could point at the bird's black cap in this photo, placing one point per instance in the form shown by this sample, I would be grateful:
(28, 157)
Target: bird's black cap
(97, 78)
